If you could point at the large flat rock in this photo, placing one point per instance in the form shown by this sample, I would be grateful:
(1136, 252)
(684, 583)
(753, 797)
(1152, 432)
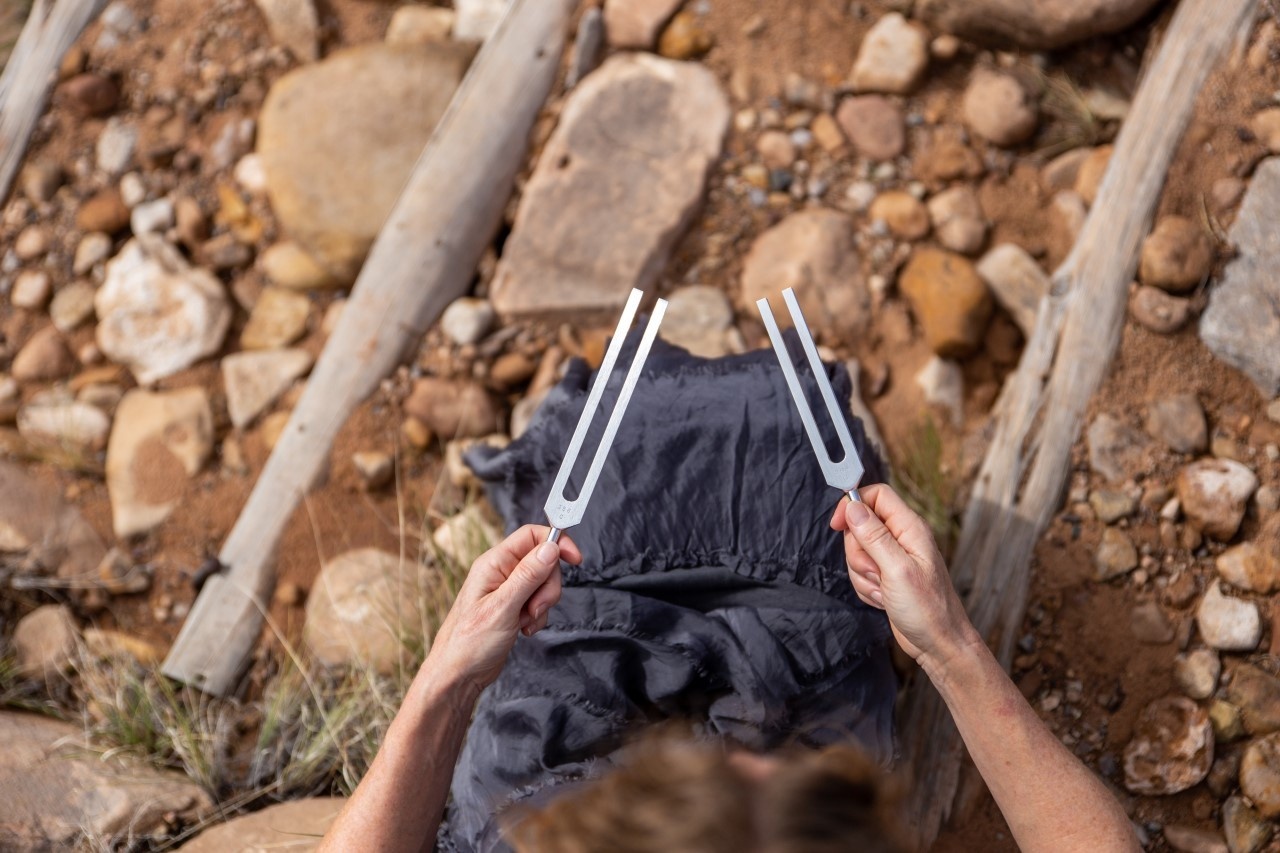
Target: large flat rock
(40, 530)
(54, 793)
(293, 827)
(614, 189)
(1242, 323)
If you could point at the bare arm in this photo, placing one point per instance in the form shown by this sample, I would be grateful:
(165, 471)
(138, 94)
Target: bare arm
(400, 802)
(1042, 789)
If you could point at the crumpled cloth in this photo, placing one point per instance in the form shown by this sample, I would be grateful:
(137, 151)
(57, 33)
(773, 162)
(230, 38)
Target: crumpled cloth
(711, 588)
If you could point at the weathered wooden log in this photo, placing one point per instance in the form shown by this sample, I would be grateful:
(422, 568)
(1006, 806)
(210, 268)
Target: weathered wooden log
(51, 29)
(1041, 408)
(424, 258)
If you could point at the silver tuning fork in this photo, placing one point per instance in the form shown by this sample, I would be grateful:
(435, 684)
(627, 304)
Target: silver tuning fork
(562, 512)
(844, 473)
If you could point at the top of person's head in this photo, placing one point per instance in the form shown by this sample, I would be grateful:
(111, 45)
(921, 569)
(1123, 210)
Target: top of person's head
(673, 793)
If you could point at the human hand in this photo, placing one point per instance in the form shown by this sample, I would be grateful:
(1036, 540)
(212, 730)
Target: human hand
(895, 565)
(511, 587)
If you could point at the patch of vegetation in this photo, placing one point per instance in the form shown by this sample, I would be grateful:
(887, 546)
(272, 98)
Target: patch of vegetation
(1072, 123)
(920, 477)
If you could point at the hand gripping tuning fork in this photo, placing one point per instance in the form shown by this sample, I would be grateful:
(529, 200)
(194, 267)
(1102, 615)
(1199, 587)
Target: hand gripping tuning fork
(562, 512)
(844, 473)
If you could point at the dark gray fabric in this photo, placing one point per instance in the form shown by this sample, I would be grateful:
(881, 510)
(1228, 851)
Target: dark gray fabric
(711, 588)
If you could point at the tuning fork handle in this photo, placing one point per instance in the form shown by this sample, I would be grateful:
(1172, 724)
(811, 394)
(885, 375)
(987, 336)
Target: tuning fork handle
(554, 535)
(854, 496)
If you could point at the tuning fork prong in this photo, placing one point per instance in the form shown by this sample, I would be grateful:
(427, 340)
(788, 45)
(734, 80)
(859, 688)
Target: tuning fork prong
(562, 512)
(844, 473)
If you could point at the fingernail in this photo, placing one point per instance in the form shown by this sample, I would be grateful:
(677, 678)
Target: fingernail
(877, 597)
(547, 553)
(857, 513)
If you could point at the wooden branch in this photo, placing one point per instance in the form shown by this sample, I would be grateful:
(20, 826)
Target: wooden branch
(31, 72)
(1040, 411)
(423, 259)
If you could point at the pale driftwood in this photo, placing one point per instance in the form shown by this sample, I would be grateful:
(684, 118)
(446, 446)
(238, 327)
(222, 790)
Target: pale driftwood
(1040, 411)
(51, 29)
(423, 259)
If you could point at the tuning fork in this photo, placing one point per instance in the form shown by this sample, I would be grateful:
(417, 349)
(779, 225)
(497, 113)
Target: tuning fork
(844, 473)
(562, 512)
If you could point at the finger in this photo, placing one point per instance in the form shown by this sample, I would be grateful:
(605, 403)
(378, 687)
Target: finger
(869, 593)
(837, 517)
(546, 596)
(512, 550)
(533, 570)
(900, 519)
(876, 539)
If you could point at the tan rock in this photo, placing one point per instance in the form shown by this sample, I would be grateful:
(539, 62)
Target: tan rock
(417, 25)
(998, 108)
(1171, 750)
(1214, 494)
(949, 299)
(1265, 125)
(906, 216)
(105, 212)
(1017, 282)
(1091, 173)
(635, 24)
(278, 319)
(287, 264)
(296, 826)
(874, 124)
(44, 641)
(1176, 256)
(42, 358)
(454, 409)
(958, 221)
(255, 380)
(892, 57)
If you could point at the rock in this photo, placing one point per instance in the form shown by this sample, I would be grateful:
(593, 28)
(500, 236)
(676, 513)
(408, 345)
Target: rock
(1176, 255)
(454, 409)
(776, 150)
(1092, 171)
(192, 225)
(573, 248)
(698, 316)
(1149, 624)
(64, 423)
(225, 252)
(93, 249)
(115, 146)
(278, 319)
(906, 215)
(467, 320)
(44, 642)
(57, 792)
(31, 243)
(362, 607)
(635, 24)
(1265, 125)
(338, 139)
(874, 125)
(293, 24)
(72, 306)
(1111, 505)
(1171, 749)
(159, 441)
(958, 221)
(114, 645)
(477, 18)
(1017, 282)
(465, 536)
(514, 369)
(459, 472)
(105, 212)
(892, 57)
(1178, 422)
(949, 300)
(255, 380)
(942, 384)
(1228, 624)
(43, 358)
(1257, 694)
(91, 95)
(287, 265)
(1061, 172)
(1268, 499)
(152, 217)
(1246, 832)
(1214, 494)
(376, 469)
(944, 155)
(588, 45)
(998, 108)
(1241, 325)
(1115, 448)
(684, 38)
(1227, 726)
(35, 521)
(1249, 567)
(296, 826)
(1068, 211)
(157, 314)
(40, 179)
(1188, 839)
(811, 251)
(1260, 775)
(30, 290)
(1156, 310)
(250, 175)
(1034, 25)
(1196, 673)
(420, 25)
(1116, 554)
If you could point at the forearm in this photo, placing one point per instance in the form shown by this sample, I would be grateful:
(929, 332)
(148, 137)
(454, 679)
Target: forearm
(1042, 790)
(400, 802)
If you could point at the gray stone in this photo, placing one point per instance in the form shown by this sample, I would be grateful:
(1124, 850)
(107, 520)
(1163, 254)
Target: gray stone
(467, 320)
(157, 314)
(1115, 448)
(255, 380)
(338, 139)
(1241, 325)
(296, 826)
(116, 145)
(574, 248)
(1031, 24)
(1196, 672)
(588, 44)
(1228, 624)
(1214, 494)
(1178, 422)
(698, 317)
(159, 441)
(152, 217)
(1116, 554)
(1171, 749)
(892, 57)
(1111, 505)
(56, 792)
(1017, 282)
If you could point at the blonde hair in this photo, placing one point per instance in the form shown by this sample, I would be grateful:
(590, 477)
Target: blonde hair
(673, 793)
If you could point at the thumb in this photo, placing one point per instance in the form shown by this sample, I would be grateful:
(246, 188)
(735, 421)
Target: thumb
(876, 539)
(529, 574)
